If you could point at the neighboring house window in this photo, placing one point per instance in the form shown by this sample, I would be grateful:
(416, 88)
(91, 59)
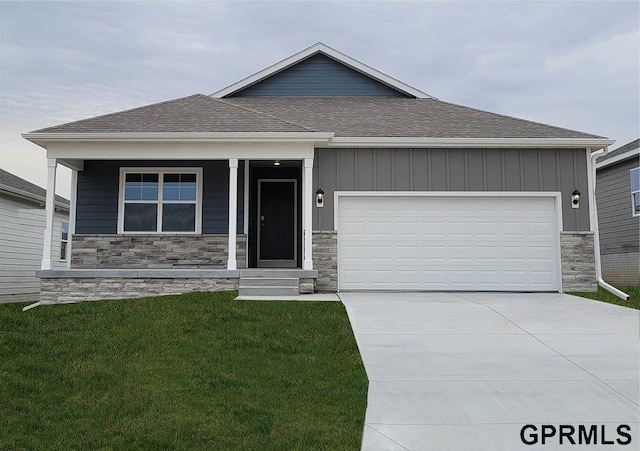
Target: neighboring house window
(64, 240)
(635, 191)
(160, 200)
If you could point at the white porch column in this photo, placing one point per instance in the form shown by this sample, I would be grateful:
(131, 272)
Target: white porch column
(233, 212)
(307, 209)
(52, 166)
(246, 197)
(72, 214)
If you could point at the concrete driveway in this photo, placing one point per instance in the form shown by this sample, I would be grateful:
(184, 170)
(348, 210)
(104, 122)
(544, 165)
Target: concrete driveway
(466, 371)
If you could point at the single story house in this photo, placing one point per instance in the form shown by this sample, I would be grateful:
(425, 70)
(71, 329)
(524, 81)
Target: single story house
(23, 221)
(320, 173)
(618, 197)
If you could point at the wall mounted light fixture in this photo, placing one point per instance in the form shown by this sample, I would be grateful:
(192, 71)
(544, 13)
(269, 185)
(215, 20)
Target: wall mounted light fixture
(575, 199)
(276, 162)
(319, 198)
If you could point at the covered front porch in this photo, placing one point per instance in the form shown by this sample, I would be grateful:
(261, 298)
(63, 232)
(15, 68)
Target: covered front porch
(142, 220)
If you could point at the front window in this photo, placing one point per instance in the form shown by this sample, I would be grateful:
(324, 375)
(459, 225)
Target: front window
(160, 200)
(635, 191)
(64, 240)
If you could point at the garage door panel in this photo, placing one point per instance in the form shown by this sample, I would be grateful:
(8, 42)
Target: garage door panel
(448, 243)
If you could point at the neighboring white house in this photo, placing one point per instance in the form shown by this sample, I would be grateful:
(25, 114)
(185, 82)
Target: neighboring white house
(22, 221)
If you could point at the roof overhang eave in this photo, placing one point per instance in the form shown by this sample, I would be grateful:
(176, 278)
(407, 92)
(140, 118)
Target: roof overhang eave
(42, 139)
(319, 139)
(590, 143)
(35, 198)
(634, 153)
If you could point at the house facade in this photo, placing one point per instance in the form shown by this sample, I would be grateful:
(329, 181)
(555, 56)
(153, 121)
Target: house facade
(327, 171)
(618, 196)
(23, 221)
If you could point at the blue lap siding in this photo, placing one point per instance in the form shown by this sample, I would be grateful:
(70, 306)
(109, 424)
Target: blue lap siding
(97, 210)
(319, 75)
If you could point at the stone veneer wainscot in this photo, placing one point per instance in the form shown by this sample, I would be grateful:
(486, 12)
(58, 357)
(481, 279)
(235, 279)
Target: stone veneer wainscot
(64, 290)
(154, 251)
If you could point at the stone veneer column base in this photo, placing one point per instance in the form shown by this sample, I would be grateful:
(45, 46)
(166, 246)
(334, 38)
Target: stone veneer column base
(325, 260)
(578, 261)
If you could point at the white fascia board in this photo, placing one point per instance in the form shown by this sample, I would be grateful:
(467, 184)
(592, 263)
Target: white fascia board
(122, 150)
(223, 137)
(332, 53)
(617, 158)
(594, 143)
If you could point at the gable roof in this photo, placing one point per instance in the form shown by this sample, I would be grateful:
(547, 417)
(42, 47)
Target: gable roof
(411, 119)
(329, 52)
(318, 76)
(13, 185)
(623, 153)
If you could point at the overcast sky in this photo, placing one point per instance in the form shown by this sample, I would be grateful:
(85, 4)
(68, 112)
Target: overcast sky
(571, 64)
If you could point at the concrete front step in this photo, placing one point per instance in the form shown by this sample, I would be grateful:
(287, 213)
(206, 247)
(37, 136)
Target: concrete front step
(279, 273)
(268, 291)
(292, 282)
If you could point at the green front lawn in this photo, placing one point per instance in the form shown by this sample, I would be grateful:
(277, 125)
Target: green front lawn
(196, 371)
(604, 296)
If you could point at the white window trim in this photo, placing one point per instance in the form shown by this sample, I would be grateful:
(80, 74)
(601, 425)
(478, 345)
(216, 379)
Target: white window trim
(160, 171)
(633, 205)
(63, 258)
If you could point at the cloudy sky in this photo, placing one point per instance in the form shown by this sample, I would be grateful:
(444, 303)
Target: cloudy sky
(572, 64)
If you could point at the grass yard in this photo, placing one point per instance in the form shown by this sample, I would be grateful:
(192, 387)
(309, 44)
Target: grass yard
(196, 371)
(604, 296)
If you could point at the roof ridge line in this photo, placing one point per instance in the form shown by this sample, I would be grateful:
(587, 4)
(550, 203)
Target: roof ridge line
(261, 113)
(520, 119)
(40, 130)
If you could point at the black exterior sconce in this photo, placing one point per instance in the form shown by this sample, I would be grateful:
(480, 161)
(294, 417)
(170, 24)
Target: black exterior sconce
(319, 198)
(575, 199)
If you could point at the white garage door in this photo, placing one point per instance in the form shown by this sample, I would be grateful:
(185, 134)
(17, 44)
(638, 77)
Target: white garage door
(448, 243)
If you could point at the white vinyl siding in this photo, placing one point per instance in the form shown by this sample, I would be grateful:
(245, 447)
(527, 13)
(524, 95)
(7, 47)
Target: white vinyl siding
(448, 243)
(22, 224)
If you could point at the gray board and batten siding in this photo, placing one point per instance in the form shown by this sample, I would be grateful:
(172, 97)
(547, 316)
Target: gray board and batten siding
(619, 229)
(98, 184)
(344, 169)
(319, 76)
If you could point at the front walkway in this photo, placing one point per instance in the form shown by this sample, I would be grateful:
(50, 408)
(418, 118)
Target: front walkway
(466, 371)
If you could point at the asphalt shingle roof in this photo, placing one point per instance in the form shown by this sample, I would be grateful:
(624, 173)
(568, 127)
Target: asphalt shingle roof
(635, 144)
(9, 180)
(196, 113)
(398, 117)
(344, 116)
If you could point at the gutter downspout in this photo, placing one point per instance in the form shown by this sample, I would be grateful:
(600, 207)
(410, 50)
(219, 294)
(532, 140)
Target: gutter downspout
(30, 306)
(595, 227)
